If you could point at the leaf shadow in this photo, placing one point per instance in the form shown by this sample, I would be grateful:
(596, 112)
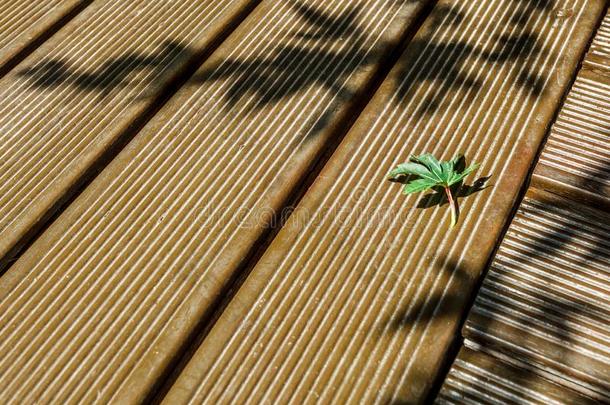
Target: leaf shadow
(114, 74)
(447, 64)
(325, 52)
(459, 190)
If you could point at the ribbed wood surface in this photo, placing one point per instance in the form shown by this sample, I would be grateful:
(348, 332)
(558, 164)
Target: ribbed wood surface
(577, 154)
(546, 299)
(358, 297)
(599, 54)
(545, 303)
(69, 101)
(22, 21)
(101, 304)
(576, 158)
(477, 378)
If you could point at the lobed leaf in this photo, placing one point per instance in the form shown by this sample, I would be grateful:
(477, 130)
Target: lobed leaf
(448, 171)
(433, 173)
(431, 163)
(418, 185)
(460, 176)
(411, 168)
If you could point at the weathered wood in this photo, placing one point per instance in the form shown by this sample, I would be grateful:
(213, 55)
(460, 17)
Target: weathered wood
(98, 309)
(359, 296)
(546, 299)
(545, 303)
(576, 159)
(26, 23)
(70, 104)
(477, 378)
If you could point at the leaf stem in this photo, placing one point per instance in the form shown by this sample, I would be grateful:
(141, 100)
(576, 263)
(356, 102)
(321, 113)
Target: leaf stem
(455, 211)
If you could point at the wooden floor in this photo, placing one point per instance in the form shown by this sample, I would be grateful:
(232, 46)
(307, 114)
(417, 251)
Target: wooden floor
(539, 326)
(194, 205)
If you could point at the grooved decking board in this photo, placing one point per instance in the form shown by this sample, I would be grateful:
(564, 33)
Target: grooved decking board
(66, 105)
(358, 297)
(576, 158)
(97, 309)
(545, 304)
(24, 21)
(546, 299)
(477, 378)
(598, 58)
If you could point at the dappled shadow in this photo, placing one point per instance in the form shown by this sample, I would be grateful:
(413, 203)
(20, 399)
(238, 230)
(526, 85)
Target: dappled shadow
(116, 73)
(448, 65)
(317, 61)
(554, 239)
(597, 178)
(559, 309)
(312, 60)
(326, 27)
(427, 309)
(324, 54)
(545, 245)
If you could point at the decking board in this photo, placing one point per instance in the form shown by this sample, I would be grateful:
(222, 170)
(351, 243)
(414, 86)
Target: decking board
(576, 158)
(546, 299)
(477, 378)
(70, 103)
(545, 303)
(23, 22)
(359, 296)
(102, 304)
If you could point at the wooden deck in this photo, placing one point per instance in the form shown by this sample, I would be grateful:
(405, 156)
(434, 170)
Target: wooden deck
(543, 309)
(194, 205)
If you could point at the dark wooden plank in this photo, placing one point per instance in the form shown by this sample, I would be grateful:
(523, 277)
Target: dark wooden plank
(69, 105)
(546, 299)
(576, 159)
(359, 296)
(477, 378)
(98, 309)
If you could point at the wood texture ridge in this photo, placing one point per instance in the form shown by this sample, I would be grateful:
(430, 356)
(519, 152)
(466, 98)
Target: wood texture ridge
(22, 21)
(576, 158)
(66, 104)
(545, 304)
(98, 308)
(546, 299)
(358, 297)
(477, 378)
(599, 54)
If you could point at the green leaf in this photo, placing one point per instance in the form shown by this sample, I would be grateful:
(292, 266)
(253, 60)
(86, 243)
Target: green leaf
(410, 168)
(448, 171)
(460, 176)
(431, 163)
(433, 173)
(418, 185)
